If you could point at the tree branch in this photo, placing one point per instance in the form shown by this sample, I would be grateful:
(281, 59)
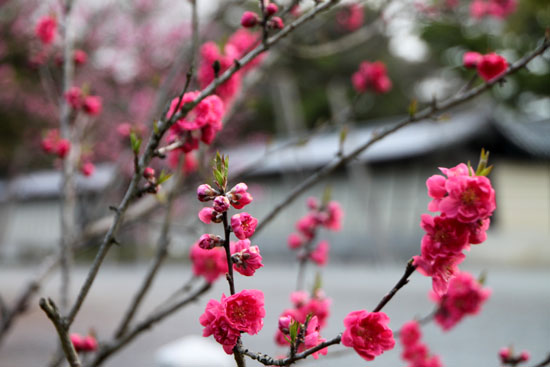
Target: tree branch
(52, 312)
(422, 115)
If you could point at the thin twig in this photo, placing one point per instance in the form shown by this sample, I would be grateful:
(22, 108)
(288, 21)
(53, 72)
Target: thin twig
(544, 362)
(428, 112)
(402, 282)
(107, 350)
(52, 312)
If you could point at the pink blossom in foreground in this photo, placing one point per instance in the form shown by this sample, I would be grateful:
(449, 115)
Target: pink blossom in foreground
(46, 29)
(470, 59)
(243, 225)
(209, 264)
(367, 333)
(92, 105)
(221, 204)
(245, 310)
(238, 196)
(491, 65)
(208, 215)
(443, 236)
(464, 297)
(469, 199)
(441, 269)
(320, 254)
(248, 257)
(313, 338)
(216, 323)
(371, 76)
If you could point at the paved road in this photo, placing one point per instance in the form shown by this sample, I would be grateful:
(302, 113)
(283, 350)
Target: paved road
(518, 312)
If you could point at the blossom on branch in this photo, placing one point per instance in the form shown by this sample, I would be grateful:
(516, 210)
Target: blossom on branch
(209, 264)
(46, 29)
(368, 333)
(371, 75)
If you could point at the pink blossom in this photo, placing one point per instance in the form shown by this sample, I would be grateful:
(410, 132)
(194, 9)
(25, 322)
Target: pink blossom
(92, 105)
(464, 297)
(148, 172)
(245, 310)
(371, 76)
(440, 268)
(80, 57)
(318, 306)
(205, 193)
(368, 333)
(443, 236)
(410, 333)
(478, 231)
(249, 19)
(239, 197)
(209, 111)
(470, 59)
(209, 241)
(221, 204)
(320, 254)
(313, 338)
(470, 198)
(307, 225)
(351, 17)
(333, 221)
(63, 148)
(295, 241)
(491, 66)
(208, 215)
(216, 323)
(504, 354)
(74, 98)
(244, 41)
(248, 257)
(210, 53)
(208, 263)
(243, 225)
(87, 169)
(83, 344)
(46, 29)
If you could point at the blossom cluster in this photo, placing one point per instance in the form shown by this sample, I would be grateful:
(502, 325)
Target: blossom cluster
(488, 66)
(368, 333)
(226, 319)
(351, 17)
(466, 203)
(414, 351)
(464, 297)
(317, 306)
(250, 19)
(328, 216)
(52, 143)
(507, 356)
(238, 44)
(371, 76)
(91, 105)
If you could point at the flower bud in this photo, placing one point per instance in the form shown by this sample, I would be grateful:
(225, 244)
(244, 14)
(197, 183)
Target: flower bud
(524, 356)
(208, 215)
(80, 57)
(271, 9)
(63, 147)
(205, 193)
(504, 354)
(92, 105)
(87, 169)
(89, 344)
(209, 241)
(249, 19)
(148, 173)
(284, 324)
(276, 23)
(471, 59)
(221, 204)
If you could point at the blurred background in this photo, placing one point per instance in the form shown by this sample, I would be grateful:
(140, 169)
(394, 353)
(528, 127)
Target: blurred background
(285, 123)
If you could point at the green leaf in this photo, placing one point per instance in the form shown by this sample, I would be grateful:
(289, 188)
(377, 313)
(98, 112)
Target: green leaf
(163, 177)
(412, 108)
(135, 143)
(293, 331)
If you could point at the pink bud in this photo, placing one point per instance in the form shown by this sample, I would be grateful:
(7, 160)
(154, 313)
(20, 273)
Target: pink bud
(471, 59)
(284, 324)
(77, 341)
(63, 148)
(504, 354)
(148, 172)
(249, 19)
(80, 57)
(524, 356)
(89, 344)
(92, 105)
(221, 204)
(271, 9)
(295, 241)
(209, 241)
(87, 169)
(74, 98)
(207, 215)
(276, 23)
(491, 66)
(46, 29)
(205, 193)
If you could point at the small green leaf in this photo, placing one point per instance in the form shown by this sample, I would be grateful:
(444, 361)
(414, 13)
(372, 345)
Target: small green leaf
(293, 331)
(135, 143)
(163, 177)
(412, 108)
(327, 194)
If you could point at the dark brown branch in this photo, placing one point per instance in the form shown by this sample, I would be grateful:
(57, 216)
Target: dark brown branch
(52, 312)
(545, 362)
(402, 282)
